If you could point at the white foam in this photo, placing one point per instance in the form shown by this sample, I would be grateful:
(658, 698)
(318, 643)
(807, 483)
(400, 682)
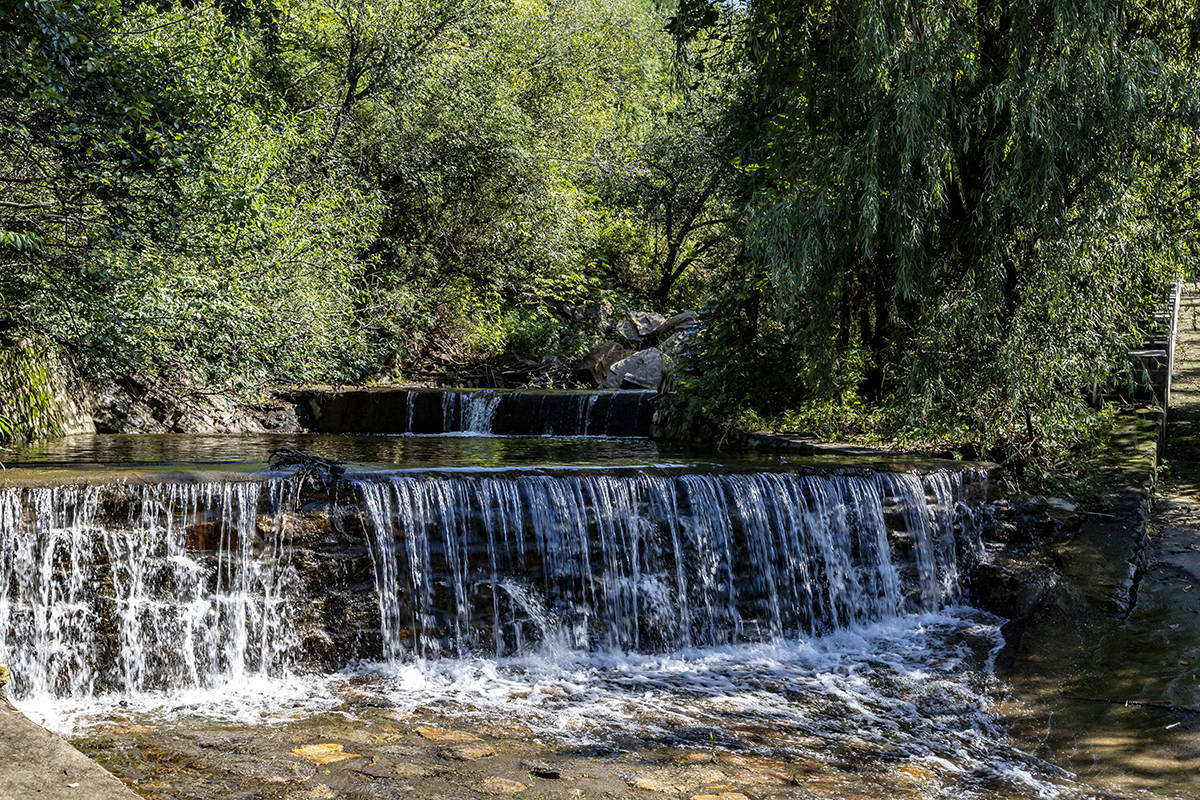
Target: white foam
(246, 700)
(917, 688)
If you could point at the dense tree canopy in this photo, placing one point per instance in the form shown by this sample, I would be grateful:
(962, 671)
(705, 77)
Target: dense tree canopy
(963, 211)
(231, 193)
(951, 217)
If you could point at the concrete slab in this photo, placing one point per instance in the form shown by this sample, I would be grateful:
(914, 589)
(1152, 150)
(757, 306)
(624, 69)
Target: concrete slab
(35, 764)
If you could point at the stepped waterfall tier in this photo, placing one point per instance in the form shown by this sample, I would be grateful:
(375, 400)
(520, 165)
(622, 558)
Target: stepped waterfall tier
(113, 588)
(656, 562)
(479, 412)
(191, 584)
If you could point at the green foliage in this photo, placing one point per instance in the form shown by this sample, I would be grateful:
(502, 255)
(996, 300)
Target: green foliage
(229, 194)
(953, 210)
(669, 188)
(935, 221)
(27, 400)
(477, 125)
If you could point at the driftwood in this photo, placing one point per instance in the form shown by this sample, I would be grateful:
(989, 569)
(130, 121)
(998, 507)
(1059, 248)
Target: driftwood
(309, 468)
(1114, 701)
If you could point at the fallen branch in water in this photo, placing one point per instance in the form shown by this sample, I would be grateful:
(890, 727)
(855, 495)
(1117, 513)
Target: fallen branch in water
(309, 468)
(1139, 703)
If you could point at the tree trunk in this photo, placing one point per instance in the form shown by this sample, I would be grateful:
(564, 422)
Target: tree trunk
(877, 336)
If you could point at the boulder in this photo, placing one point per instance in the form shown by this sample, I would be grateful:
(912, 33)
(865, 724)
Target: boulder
(649, 328)
(596, 315)
(642, 370)
(646, 323)
(623, 330)
(675, 343)
(594, 366)
(686, 321)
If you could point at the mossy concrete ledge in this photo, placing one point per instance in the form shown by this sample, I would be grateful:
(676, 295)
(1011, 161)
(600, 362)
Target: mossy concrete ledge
(35, 763)
(1078, 561)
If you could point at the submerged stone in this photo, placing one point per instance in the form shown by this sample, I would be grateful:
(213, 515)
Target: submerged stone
(467, 752)
(500, 786)
(323, 753)
(647, 783)
(445, 735)
(541, 769)
(410, 771)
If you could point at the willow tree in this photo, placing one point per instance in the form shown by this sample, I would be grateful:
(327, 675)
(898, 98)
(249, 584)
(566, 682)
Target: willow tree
(954, 207)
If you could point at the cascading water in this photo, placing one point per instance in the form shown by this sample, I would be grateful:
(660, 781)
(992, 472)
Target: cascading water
(667, 606)
(686, 610)
(188, 587)
(468, 412)
(655, 562)
(113, 588)
(484, 412)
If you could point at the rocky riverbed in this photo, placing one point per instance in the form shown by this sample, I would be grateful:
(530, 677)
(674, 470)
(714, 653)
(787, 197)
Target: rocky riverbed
(908, 708)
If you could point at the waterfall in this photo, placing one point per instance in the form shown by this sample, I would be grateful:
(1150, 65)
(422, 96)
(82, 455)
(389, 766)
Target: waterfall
(466, 412)
(179, 585)
(652, 562)
(152, 586)
(484, 411)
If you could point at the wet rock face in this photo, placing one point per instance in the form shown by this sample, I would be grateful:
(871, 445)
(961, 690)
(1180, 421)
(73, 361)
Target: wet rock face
(1016, 577)
(1046, 558)
(130, 406)
(1013, 586)
(333, 562)
(336, 618)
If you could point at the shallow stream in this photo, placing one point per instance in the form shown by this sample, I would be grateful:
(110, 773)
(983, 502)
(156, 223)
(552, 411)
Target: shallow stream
(464, 615)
